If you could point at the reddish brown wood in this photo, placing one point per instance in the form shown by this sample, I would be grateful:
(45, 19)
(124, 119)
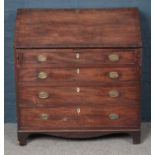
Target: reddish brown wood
(90, 96)
(94, 34)
(77, 83)
(67, 57)
(70, 74)
(87, 118)
(55, 28)
(80, 134)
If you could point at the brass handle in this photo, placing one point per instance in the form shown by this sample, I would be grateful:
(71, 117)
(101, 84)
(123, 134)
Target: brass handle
(113, 116)
(44, 116)
(77, 55)
(41, 58)
(113, 57)
(113, 93)
(42, 75)
(113, 75)
(43, 95)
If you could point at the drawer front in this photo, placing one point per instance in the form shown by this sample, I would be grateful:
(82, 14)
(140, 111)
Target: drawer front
(77, 117)
(80, 57)
(79, 74)
(65, 96)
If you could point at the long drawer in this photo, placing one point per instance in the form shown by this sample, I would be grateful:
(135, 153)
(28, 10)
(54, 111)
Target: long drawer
(77, 57)
(79, 117)
(107, 74)
(65, 96)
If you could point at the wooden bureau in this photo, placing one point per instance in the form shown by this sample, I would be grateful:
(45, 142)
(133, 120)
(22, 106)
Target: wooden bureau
(78, 72)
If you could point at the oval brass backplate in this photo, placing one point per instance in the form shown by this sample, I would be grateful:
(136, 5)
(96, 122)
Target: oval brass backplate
(113, 75)
(42, 75)
(113, 116)
(113, 93)
(113, 57)
(44, 116)
(43, 95)
(41, 58)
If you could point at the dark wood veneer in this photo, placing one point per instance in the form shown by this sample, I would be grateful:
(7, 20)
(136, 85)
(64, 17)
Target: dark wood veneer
(53, 28)
(88, 118)
(75, 46)
(70, 74)
(65, 96)
(67, 57)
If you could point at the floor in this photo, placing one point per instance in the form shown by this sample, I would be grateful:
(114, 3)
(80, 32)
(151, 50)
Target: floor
(48, 145)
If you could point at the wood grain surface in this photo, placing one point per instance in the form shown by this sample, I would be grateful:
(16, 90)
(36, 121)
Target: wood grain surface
(77, 57)
(47, 28)
(68, 118)
(75, 46)
(90, 96)
(70, 74)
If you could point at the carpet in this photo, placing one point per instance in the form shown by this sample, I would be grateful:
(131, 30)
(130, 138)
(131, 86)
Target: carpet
(48, 145)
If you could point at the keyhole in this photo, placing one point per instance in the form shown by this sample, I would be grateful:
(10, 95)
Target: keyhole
(78, 110)
(77, 70)
(77, 89)
(77, 55)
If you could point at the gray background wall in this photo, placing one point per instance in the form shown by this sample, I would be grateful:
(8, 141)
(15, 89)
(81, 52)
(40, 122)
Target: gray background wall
(10, 14)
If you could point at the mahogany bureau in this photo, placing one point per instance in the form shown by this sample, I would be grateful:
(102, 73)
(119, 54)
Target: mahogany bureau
(78, 72)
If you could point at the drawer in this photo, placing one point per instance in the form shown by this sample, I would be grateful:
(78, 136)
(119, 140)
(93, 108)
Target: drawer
(77, 57)
(79, 117)
(65, 96)
(107, 74)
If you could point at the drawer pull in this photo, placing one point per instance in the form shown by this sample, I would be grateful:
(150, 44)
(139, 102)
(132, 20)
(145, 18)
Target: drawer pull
(113, 93)
(113, 75)
(43, 95)
(77, 89)
(113, 57)
(113, 116)
(44, 116)
(77, 70)
(77, 55)
(42, 75)
(41, 58)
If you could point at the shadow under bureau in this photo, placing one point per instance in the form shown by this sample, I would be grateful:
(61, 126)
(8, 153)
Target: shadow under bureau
(78, 72)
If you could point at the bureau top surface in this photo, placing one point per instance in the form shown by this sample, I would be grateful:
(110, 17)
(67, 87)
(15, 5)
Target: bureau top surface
(71, 28)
